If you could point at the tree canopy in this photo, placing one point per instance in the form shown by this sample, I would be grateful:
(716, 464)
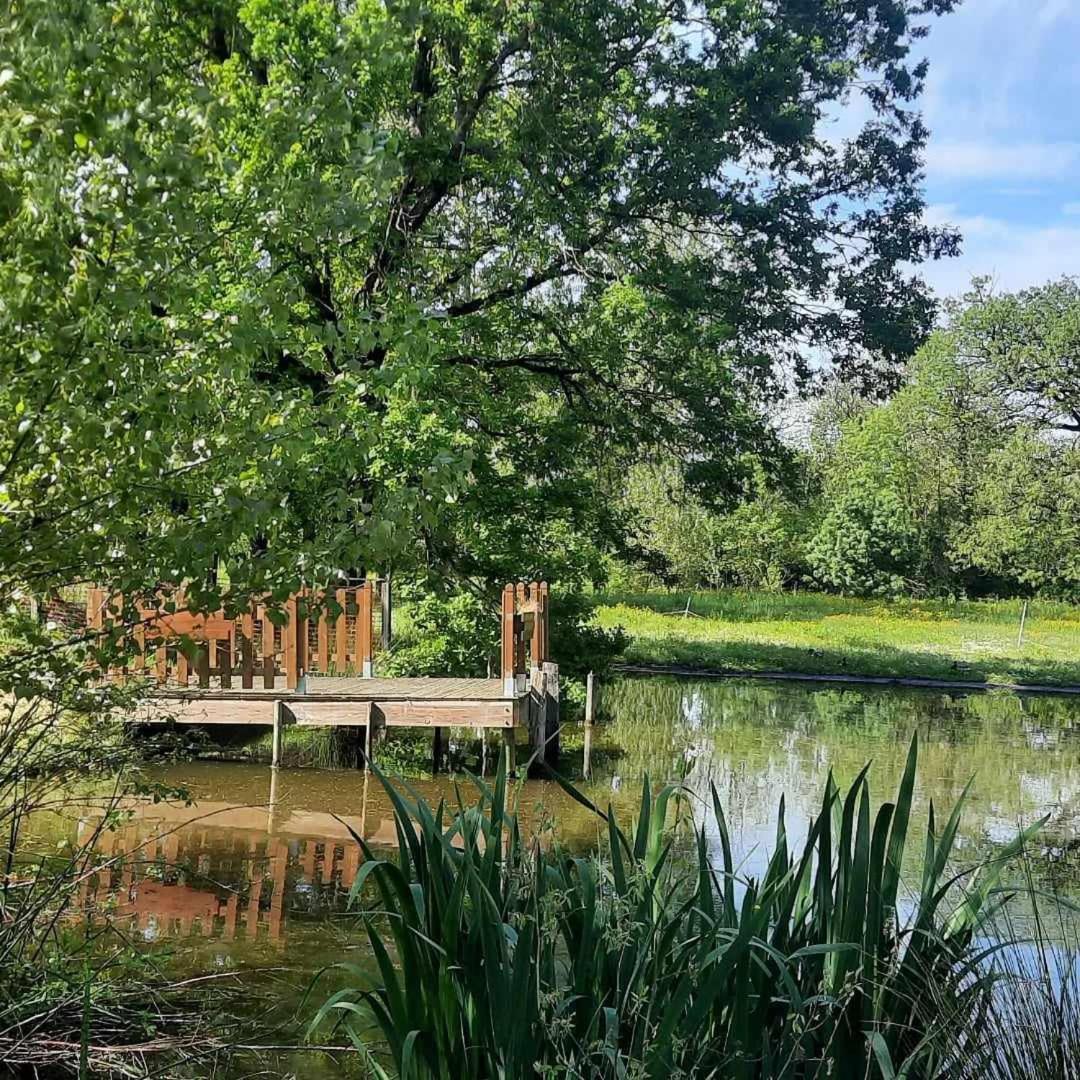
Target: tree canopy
(965, 481)
(307, 287)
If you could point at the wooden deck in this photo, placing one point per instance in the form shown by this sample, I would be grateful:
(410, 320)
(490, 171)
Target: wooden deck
(346, 702)
(311, 662)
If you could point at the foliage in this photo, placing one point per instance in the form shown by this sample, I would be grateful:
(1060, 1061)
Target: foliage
(459, 636)
(756, 543)
(963, 482)
(73, 988)
(455, 636)
(305, 288)
(1025, 528)
(513, 959)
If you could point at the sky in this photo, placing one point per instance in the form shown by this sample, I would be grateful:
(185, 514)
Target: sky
(1002, 103)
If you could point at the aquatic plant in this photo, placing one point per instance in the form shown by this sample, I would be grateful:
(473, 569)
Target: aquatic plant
(496, 956)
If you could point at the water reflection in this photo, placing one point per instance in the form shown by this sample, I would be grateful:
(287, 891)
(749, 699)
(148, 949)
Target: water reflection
(262, 856)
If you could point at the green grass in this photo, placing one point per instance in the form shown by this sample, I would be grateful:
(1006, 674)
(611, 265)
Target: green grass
(817, 634)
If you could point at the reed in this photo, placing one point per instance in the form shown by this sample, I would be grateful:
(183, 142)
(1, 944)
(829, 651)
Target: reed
(498, 957)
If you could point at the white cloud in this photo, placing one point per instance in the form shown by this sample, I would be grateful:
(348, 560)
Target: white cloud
(988, 160)
(1015, 255)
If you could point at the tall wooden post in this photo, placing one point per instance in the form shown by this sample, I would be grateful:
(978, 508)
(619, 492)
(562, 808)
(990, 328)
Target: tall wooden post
(268, 648)
(288, 641)
(507, 659)
(536, 642)
(364, 630)
(386, 600)
(439, 749)
(247, 648)
(545, 622)
(302, 609)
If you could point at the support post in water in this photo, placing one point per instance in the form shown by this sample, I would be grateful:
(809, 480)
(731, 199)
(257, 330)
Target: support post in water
(590, 698)
(279, 719)
(440, 744)
(510, 742)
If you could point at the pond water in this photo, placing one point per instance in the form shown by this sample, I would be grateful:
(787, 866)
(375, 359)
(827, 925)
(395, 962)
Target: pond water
(254, 875)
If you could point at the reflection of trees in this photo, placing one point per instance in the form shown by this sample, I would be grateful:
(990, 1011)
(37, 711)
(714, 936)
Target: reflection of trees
(756, 741)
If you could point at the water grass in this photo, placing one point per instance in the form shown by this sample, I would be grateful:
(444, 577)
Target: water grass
(496, 956)
(813, 633)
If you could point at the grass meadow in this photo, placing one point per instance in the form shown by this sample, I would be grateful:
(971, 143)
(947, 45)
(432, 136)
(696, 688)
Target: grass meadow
(813, 633)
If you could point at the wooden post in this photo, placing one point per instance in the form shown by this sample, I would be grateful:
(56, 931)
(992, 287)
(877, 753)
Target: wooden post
(536, 642)
(324, 636)
(1023, 619)
(386, 602)
(225, 659)
(364, 615)
(289, 642)
(545, 622)
(275, 752)
(590, 698)
(302, 659)
(202, 663)
(267, 649)
(510, 741)
(537, 706)
(507, 660)
(439, 748)
(247, 650)
(341, 635)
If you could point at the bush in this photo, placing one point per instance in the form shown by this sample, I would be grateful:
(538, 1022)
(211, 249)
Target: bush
(460, 636)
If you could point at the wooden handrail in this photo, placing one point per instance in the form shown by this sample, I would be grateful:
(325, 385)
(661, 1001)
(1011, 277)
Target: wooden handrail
(524, 631)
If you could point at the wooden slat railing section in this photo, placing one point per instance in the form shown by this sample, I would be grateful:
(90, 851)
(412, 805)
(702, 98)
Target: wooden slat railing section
(317, 632)
(524, 632)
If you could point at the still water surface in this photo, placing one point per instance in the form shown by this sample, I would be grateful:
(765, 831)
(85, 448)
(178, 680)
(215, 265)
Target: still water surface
(254, 876)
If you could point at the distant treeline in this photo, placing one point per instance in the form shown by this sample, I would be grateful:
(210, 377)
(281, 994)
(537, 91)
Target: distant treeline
(966, 481)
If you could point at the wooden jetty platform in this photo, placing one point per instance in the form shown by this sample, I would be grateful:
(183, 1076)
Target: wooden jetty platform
(312, 662)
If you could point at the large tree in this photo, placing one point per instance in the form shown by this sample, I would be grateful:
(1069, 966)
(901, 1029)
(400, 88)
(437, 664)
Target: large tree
(318, 285)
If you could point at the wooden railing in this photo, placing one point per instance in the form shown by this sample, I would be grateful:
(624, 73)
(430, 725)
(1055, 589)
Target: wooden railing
(315, 632)
(329, 632)
(525, 641)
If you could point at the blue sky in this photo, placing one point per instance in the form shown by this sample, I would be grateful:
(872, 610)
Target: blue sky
(1002, 103)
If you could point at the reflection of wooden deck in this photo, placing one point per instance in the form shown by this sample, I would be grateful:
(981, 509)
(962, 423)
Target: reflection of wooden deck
(350, 702)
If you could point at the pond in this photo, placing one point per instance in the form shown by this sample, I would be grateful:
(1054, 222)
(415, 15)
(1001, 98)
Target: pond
(255, 875)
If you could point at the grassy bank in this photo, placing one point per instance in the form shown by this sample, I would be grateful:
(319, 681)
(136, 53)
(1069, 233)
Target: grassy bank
(818, 634)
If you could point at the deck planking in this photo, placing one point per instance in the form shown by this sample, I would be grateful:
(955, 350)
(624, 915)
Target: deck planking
(343, 701)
